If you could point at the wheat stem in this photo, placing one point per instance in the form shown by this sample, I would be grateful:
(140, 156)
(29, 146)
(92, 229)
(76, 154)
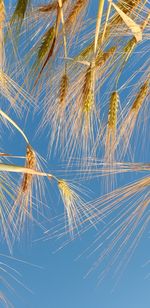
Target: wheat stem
(21, 169)
(106, 21)
(63, 26)
(98, 23)
(4, 115)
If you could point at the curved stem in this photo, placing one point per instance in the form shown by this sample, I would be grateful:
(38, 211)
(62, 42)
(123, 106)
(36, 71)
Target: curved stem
(4, 115)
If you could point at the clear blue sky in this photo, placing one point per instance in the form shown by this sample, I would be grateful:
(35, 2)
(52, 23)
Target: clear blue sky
(61, 283)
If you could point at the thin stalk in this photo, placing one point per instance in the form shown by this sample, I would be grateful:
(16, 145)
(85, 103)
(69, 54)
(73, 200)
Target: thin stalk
(98, 23)
(11, 156)
(21, 169)
(63, 27)
(106, 21)
(4, 115)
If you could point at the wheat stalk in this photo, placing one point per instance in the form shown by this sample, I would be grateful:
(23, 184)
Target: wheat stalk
(98, 24)
(5, 116)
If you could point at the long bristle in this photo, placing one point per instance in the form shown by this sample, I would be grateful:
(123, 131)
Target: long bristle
(70, 200)
(127, 210)
(76, 10)
(127, 127)
(2, 22)
(50, 7)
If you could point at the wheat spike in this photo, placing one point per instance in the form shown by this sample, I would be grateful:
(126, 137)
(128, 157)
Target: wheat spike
(87, 109)
(103, 57)
(19, 13)
(50, 7)
(88, 95)
(75, 207)
(31, 164)
(129, 47)
(111, 127)
(140, 97)
(22, 207)
(82, 115)
(64, 83)
(112, 117)
(70, 200)
(45, 44)
(75, 11)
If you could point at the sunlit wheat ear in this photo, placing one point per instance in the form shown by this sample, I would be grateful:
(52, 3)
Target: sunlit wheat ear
(63, 90)
(70, 200)
(49, 44)
(83, 121)
(76, 10)
(111, 128)
(75, 208)
(50, 7)
(19, 14)
(22, 207)
(2, 21)
(55, 113)
(59, 116)
(129, 48)
(45, 44)
(103, 57)
(126, 129)
(87, 108)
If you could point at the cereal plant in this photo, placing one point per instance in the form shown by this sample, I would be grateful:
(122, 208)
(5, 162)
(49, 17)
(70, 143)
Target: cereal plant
(74, 84)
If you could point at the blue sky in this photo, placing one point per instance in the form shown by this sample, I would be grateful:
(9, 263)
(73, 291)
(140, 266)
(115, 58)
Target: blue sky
(61, 282)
